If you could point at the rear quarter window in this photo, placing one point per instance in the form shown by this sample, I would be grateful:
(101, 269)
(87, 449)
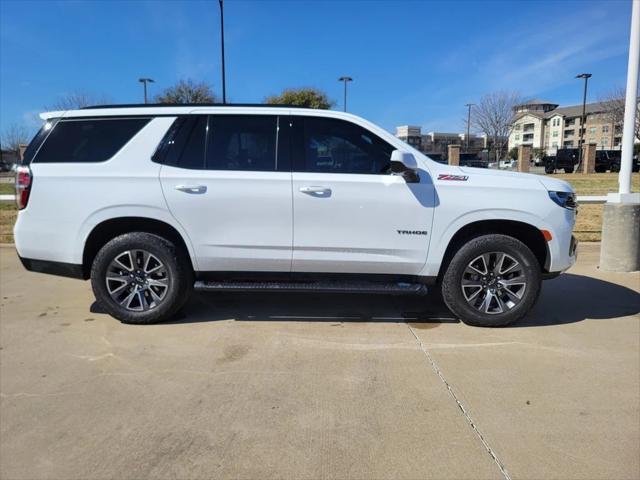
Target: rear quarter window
(88, 141)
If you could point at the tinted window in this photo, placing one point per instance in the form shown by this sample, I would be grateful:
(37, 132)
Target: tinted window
(336, 146)
(83, 141)
(194, 150)
(37, 140)
(242, 142)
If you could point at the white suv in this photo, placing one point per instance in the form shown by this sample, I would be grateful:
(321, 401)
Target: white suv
(152, 201)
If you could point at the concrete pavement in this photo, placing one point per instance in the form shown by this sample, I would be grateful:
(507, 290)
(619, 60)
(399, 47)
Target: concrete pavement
(319, 386)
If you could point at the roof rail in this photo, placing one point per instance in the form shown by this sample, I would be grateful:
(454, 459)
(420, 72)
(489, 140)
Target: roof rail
(163, 105)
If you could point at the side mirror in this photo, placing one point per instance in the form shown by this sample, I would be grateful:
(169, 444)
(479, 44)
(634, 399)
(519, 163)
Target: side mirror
(405, 165)
(405, 158)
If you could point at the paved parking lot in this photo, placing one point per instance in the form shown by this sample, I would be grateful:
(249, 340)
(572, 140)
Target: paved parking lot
(319, 386)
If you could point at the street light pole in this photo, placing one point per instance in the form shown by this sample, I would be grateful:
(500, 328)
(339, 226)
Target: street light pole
(345, 80)
(468, 105)
(630, 104)
(144, 81)
(586, 77)
(224, 81)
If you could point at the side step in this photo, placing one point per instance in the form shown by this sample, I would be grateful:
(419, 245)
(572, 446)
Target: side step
(319, 286)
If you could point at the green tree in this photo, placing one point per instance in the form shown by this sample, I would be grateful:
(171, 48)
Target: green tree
(302, 97)
(187, 91)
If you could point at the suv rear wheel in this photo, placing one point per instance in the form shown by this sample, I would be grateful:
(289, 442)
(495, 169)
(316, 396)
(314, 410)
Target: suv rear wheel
(141, 278)
(492, 281)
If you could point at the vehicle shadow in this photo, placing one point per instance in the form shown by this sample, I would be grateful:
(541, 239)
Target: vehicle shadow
(314, 307)
(572, 298)
(567, 299)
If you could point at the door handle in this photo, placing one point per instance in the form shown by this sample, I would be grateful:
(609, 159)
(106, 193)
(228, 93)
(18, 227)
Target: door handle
(192, 188)
(317, 191)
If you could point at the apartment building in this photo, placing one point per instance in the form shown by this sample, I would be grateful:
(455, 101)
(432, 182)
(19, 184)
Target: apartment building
(437, 143)
(546, 125)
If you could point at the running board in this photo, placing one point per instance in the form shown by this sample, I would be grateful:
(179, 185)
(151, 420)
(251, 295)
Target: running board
(397, 288)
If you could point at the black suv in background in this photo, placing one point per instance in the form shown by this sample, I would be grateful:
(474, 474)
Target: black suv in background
(611, 160)
(564, 159)
(608, 160)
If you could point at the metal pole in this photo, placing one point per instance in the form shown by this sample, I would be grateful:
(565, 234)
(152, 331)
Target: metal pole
(585, 76)
(345, 80)
(469, 124)
(144, 82)
(582, 118)
(345, 95)
(631, 101)
(224, 82)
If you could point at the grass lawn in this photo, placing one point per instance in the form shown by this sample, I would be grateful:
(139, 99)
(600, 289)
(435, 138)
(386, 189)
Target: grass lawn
(587, 228)
(8, 214)
(589, 222)
(7, 189)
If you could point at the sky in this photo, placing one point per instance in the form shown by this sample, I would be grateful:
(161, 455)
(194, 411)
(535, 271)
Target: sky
(412, 62)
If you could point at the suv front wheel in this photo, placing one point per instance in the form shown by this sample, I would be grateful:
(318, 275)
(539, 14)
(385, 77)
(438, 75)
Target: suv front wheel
(492, 281)
(141, 278)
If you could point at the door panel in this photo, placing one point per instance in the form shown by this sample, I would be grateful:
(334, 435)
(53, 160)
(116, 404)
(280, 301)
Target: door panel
(241, 221)
(231, 191)
(350, 213)
(364, 224)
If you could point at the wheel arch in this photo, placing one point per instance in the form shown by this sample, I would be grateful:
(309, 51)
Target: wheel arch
(113, 227)
(528, 234)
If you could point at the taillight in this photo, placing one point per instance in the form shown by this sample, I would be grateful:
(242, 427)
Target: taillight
(23, 186)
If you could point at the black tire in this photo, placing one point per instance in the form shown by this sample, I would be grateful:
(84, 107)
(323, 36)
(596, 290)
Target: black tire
(615, 168)
(600, 169)
(176, 273)
(452, 290)
(549, 170)
(568, 170)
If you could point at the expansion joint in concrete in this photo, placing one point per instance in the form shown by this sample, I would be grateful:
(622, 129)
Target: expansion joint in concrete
(462, 408)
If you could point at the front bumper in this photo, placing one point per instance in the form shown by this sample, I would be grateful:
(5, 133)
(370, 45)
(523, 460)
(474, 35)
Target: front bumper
(570, 259)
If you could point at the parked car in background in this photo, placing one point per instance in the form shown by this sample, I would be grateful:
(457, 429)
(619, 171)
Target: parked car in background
(564, 159)
(249, 198)
(608, 160)
(507, 164)
(472, 160)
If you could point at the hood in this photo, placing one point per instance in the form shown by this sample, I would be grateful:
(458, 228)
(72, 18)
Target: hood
(550, 183)
(554, 184)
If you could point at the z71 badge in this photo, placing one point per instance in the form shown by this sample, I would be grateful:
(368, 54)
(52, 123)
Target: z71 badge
(454, 178)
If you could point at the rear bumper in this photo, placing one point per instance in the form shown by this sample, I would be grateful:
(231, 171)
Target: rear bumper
(61, 269)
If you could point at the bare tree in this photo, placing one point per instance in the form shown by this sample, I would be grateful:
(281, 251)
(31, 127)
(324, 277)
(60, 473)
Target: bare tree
(75, 100)
(613, 102)
(187, 91)
(494, 115)
(13, 136)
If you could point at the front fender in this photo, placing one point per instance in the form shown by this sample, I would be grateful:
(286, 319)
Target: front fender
(440, 242)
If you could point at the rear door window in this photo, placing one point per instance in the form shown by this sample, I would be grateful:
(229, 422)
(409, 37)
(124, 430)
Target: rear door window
(88, 140)
(242, 142)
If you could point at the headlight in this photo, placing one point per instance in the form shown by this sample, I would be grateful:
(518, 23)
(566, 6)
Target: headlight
(564, 199)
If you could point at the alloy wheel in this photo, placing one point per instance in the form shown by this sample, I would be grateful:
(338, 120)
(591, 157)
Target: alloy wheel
(137, 280)
(494, 283)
